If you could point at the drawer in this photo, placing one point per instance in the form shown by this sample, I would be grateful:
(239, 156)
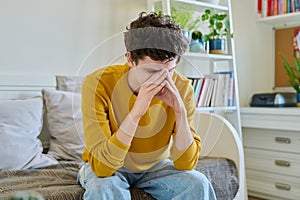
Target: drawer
(273, 161)
(278, 140)
(285, 187)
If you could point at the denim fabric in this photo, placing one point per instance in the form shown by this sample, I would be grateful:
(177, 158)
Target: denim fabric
(162, 181)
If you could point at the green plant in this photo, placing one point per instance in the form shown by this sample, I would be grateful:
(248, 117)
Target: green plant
(196, 35)
(218, 24)
(183, 16)
(293, 72)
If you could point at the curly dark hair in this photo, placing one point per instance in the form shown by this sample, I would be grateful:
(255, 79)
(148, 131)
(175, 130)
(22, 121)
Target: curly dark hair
(154, 35)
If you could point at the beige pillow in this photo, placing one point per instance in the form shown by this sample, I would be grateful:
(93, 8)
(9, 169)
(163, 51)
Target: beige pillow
(69, 83)
(20, 125)
(64, 122)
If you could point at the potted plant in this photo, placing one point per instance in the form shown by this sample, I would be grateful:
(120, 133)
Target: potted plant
(219, 30)
(196, 44)
(183, 16)
(293, 73)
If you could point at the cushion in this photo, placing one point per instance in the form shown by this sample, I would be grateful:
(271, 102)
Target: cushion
(69, 83)
(64, 122)
(20, 125)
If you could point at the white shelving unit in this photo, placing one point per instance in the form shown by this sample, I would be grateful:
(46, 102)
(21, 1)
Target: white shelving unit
(206, 63)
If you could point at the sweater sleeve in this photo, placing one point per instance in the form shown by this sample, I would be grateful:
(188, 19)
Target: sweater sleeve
(104, 152)
(188, 159)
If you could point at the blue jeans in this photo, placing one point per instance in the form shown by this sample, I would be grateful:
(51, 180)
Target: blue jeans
(162, 181)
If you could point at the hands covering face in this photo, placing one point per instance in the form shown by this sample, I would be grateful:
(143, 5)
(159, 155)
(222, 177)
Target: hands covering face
(170, 95)
(146, 74)
(153, 80)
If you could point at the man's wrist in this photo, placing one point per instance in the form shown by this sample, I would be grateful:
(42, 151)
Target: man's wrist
(129, 125)
(181, 111)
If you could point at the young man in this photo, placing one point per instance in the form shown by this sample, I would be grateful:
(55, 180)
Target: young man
(138, 120)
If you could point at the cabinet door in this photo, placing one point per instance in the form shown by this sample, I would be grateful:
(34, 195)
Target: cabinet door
(273, 161)
(277, 140)
(279, 186)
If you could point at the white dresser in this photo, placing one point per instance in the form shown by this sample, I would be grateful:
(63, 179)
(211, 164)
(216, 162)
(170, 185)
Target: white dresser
(271, 139)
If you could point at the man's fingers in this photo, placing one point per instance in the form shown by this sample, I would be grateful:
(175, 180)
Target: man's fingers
(156, 79)
(171, 82)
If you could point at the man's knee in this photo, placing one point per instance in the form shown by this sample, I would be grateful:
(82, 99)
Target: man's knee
(197, 179)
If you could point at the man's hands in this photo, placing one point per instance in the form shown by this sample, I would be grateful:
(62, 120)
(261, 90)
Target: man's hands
(170, 95)
(159, 84)
(152, 86)
(155, 81)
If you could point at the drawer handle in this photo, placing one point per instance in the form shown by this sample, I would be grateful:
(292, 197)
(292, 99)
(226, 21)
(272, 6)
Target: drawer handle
(282, 163)
(283, 140)
(282, 186)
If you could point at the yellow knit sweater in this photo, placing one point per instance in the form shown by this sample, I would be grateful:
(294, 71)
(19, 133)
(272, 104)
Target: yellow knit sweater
(106, 101)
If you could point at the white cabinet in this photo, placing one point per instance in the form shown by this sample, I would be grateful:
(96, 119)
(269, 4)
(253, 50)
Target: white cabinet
(205, 63)
(271, 138)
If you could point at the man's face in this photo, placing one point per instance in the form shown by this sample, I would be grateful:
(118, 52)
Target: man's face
(146, 68)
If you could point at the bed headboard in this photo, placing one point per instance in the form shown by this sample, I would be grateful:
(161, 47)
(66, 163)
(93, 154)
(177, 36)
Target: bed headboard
(19, 87)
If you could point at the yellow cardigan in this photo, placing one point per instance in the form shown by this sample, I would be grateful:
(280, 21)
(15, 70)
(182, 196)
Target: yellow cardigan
(106, 101)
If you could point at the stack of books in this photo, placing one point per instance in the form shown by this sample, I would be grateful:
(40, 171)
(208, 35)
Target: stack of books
(214, 90)
(267, 8)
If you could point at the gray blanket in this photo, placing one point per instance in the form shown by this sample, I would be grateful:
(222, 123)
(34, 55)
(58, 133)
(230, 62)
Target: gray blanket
(60, 181)
(53, 182)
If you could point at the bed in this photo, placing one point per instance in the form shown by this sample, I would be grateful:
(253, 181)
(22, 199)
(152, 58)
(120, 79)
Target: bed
(55, 177)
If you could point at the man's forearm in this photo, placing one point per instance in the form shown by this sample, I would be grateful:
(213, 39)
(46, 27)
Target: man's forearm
(184, 136)
(128, 128)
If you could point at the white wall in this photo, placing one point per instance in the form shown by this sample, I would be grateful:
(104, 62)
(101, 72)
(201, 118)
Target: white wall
(41, 37)
(51, 37)
(254, 51)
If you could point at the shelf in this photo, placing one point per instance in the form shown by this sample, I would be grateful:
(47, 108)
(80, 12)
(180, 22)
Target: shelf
(210, 56)
(201, 4)
(292, 111)
(213, 109)
(284, 19)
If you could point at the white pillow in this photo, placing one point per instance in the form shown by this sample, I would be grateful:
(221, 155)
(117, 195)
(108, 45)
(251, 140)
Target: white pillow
(65, 124)
(20, 124)
(69, 83)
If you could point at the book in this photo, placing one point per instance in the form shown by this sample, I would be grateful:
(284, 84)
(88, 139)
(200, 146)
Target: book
(259, 8)
(206, 90)
(203, 92)
(210, 89)
(197, 85)
(198, 88)
(225, 89)
(289, 6)
(229, 88)
(214, 93)
(281, 8)
(297, 5)
(220, 90)
(264, 8)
